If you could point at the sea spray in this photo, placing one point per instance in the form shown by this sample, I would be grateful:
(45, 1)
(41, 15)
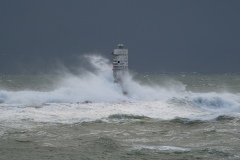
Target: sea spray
(65, 103)
(95, 85)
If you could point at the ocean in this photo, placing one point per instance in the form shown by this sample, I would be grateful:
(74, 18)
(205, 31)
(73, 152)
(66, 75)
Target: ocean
(85, 115)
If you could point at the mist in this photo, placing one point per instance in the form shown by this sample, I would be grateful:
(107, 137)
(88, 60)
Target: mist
(94, 82)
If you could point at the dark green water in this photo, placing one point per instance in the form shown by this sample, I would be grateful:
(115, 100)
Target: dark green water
(130, 139)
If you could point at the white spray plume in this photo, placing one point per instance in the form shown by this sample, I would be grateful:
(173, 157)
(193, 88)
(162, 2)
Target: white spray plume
(95, 86)
(107, 97)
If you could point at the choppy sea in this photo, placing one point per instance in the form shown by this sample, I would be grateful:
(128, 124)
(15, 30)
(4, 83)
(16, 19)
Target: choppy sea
(86, 116)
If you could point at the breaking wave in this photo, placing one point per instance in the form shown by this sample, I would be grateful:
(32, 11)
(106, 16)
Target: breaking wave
(95, 86)
(92, 95)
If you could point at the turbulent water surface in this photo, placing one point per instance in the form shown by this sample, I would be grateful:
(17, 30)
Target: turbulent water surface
(86, 116)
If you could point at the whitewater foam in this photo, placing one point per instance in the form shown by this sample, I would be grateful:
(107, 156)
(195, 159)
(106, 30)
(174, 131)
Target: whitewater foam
(96, 86)
(64, 104)
(161, 148)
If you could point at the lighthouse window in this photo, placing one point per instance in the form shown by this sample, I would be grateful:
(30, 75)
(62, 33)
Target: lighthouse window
(118, 61)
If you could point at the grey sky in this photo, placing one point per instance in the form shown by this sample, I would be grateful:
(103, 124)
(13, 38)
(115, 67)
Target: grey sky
(161, 35)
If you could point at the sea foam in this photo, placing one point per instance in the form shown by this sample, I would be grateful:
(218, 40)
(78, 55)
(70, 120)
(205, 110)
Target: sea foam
(92, 95)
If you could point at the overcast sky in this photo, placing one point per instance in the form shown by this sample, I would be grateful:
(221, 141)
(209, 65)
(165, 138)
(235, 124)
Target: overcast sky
(161, 35)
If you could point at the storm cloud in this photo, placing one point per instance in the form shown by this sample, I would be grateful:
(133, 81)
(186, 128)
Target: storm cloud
(161, 35)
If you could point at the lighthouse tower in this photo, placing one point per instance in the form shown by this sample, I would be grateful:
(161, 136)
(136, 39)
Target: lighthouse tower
(120, 64)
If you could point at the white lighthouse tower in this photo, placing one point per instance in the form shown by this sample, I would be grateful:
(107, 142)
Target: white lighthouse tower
(120, 65)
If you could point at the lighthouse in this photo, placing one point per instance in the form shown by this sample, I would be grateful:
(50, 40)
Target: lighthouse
(120, 65)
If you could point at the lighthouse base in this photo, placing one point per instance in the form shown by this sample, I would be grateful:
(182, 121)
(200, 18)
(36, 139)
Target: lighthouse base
(120, 77)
